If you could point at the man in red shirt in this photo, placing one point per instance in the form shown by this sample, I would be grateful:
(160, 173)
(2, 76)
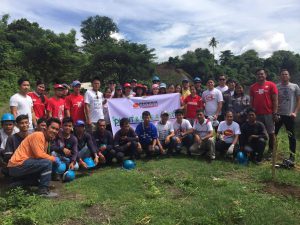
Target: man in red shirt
(56, 104)
(39, 100)
(264, 100)
(74, 103)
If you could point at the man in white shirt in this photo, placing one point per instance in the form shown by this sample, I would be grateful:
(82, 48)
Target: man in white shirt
(21, 104)
(93, 100)
(222, 84)
(203, 136)
(213, 99)
(166, 139)
(183, 132)
(228, 135)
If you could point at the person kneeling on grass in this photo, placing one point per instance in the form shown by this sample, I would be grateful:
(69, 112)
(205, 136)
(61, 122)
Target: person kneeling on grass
(104, 142)
(65, 146)
(13, 141)
(203, 136)
(147, 133)
(228, 135)
(126, 142)
(86, 147)
(254, 137)
(166, 136)
(183, 132)
(30, 163)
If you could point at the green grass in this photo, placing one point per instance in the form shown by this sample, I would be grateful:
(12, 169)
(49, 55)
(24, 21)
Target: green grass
(176, 190)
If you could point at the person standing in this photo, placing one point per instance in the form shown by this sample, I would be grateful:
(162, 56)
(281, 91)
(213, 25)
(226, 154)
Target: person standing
(288, 107)
(56, 104)
(39, 100)
(185, 88)
(93, 100)
(213, 100)
(74, 103)
(222, 83)
(21, 104)
(264, 100)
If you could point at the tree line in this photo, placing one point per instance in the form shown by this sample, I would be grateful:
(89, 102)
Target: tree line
(26, 49)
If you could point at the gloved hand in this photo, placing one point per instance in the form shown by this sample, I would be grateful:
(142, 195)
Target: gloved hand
(230, 149)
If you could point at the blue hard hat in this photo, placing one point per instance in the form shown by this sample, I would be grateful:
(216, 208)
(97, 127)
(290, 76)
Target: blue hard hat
(129, 164)
(89, 162)
(69, 176)
(155, 78)
(7, 117)
(60, 168)
(241, 158)
(79, 123)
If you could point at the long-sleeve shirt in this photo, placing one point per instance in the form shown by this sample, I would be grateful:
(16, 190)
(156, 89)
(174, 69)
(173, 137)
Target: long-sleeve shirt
(130, 136)
(70, 143)
(12, 144)
(86, 140)
(34, 146)
(106, 138)
(249, 129)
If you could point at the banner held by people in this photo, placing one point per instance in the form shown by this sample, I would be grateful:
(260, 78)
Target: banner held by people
(132, 108)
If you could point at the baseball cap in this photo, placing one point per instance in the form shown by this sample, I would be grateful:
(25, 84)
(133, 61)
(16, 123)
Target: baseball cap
(155, 78)
(79, 123)
(66, 86)
(185, 80)
(134, 81)
(127, 85)
(57, 86)
(162, 85)
(119, 87)
(75, 83)
(197, 80)
(155, 86)
(164, 113)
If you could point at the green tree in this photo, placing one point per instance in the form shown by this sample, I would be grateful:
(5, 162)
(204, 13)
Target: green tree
(213, 43)
(97, 28)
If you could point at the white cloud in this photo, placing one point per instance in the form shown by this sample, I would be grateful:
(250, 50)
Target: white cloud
(268, 43)
(172, 27)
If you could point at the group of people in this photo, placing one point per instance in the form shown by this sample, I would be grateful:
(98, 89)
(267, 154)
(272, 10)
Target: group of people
(41, 131)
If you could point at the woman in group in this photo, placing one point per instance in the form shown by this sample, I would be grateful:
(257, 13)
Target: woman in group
(178, 89)
(240, 104)
(155, 89)
(171, 89)
(107, 96)
(140, 90)
(191, 104)
(118, 92)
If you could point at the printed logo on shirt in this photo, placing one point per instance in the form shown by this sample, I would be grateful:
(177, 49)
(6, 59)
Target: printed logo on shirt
(228, 133)
(209, 97)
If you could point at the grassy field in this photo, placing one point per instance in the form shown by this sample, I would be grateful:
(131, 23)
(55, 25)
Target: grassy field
(176, 190)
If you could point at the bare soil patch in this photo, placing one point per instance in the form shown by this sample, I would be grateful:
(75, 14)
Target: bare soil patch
(286, 190)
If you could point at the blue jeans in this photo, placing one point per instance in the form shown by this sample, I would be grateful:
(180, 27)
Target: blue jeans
(34, 169)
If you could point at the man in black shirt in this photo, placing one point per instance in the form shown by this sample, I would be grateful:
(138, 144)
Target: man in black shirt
(253, 137)
(86, 146)
(13, 141)
(103, 140)
(126, 142)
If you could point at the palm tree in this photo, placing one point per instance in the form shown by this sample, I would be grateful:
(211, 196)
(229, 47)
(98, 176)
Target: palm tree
(213, 43)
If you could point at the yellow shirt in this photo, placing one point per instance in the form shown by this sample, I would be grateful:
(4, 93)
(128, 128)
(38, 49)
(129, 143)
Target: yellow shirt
(185, 93)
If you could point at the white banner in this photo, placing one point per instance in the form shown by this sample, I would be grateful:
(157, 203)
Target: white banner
(132, 108)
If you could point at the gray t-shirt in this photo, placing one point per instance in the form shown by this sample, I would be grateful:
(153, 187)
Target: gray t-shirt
(287, 98)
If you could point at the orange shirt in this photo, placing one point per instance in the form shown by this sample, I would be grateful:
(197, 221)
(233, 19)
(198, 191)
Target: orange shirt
(33, 146)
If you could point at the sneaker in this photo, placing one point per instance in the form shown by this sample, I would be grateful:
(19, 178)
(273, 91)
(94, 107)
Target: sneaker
(45, 193)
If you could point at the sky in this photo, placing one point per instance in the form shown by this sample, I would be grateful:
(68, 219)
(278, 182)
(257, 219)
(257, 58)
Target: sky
(172, 27)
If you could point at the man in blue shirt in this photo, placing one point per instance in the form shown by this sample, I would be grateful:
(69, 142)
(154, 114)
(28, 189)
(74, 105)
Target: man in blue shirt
(147, 134)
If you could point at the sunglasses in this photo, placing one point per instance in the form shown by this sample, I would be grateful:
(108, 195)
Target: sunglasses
(97, 97)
